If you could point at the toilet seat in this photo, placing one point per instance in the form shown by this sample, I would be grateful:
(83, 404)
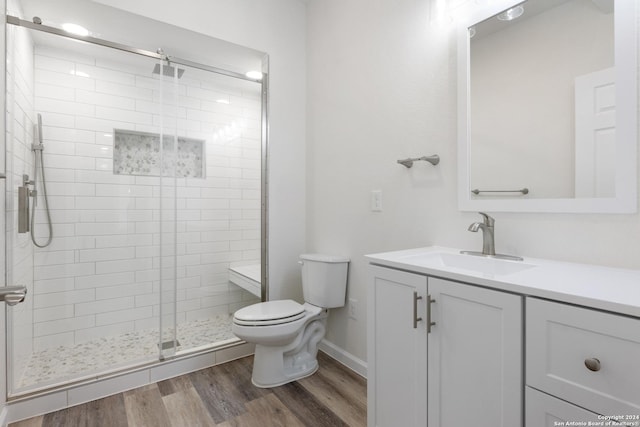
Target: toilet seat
(269, 313)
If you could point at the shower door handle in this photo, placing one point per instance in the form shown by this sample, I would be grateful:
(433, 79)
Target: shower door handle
(13, 295)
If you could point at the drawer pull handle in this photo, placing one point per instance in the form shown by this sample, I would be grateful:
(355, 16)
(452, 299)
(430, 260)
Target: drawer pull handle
(592, 364)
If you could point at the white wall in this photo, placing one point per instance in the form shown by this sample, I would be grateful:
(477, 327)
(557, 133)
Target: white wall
(276, 27)
(381, 87)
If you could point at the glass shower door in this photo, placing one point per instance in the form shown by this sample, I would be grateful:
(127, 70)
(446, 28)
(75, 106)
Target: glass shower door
(94, 293)
(215, 123)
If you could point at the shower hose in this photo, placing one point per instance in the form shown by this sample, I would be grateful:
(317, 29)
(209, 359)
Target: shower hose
(39, 163)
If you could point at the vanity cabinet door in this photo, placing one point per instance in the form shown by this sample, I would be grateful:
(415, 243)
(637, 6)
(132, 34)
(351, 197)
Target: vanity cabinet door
(397, 349)
(475, 356)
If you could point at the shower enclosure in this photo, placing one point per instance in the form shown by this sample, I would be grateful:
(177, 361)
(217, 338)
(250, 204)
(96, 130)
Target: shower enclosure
(153, 167)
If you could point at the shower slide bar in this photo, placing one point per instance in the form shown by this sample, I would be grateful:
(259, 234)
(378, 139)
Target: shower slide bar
(38, 26)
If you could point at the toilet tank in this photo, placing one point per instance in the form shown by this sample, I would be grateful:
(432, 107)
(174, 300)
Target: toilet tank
(324, 279)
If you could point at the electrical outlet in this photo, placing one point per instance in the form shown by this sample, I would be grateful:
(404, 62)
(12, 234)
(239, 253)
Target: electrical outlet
(376, 200)
(353, 309)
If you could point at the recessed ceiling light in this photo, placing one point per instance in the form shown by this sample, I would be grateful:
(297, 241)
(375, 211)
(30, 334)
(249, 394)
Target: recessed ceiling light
(511, 14)
(75, 29)
(256, 75)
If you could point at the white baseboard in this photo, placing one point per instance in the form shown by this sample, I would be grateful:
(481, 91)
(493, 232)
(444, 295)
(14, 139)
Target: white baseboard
(357, 365)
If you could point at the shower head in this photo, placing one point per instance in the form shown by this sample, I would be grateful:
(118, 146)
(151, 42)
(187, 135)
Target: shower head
(168, 71)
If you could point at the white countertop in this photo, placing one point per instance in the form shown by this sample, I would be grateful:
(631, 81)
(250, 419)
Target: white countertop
(611, 289)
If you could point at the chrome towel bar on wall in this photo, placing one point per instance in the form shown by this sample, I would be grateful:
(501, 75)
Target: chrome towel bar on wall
(523, 191)
(434, 160)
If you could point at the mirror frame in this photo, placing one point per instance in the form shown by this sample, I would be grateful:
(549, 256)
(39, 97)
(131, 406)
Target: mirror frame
(626, 63)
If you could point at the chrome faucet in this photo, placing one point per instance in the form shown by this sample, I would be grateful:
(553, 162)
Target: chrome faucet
(488, 239)
(487, 227)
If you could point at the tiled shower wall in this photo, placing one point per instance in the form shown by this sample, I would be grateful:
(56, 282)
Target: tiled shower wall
(100, 276)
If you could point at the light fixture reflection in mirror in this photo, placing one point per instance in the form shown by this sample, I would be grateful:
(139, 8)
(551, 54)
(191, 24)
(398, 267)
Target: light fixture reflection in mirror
(509, 138)
(511, 14)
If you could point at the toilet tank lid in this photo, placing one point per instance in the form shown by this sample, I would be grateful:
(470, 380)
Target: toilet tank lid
(324, 258)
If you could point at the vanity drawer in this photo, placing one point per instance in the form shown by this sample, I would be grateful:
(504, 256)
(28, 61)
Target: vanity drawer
(561, 340)
(542, 410)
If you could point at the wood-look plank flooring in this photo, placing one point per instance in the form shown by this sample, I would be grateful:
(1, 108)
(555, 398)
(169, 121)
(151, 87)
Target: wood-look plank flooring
(224, 396)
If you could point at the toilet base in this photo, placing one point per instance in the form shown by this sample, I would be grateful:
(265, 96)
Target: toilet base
(274, 366)
(274, 374)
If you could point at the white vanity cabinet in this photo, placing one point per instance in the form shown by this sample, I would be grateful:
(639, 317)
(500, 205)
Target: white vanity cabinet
(535, 342)
(463, 369)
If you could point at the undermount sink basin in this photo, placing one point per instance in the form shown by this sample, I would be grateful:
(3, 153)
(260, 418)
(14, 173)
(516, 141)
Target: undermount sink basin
(478, 264)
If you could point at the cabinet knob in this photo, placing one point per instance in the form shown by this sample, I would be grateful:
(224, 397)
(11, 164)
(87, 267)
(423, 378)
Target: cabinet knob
(592, 364)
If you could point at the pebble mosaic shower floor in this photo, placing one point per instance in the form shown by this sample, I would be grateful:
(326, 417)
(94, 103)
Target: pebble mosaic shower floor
(67, 362)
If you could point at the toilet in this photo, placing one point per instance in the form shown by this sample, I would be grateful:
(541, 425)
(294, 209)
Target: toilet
(287, 334)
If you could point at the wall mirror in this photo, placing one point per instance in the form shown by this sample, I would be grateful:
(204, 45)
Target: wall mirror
(547, 107)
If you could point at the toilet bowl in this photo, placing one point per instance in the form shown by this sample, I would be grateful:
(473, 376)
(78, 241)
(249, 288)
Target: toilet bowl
(286, 348)
(286, 333)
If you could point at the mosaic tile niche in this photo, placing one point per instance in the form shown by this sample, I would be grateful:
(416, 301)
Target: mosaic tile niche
(138, 153)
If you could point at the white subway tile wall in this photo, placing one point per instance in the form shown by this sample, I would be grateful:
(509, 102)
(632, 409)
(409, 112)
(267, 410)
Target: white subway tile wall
(101, 275)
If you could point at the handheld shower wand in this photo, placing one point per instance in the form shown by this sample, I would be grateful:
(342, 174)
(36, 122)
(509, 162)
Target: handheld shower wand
(37, 149)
